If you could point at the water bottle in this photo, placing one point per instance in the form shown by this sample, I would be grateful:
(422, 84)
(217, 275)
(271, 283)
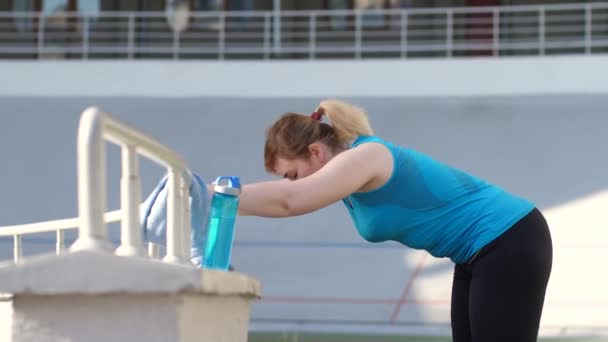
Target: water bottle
(220, 227)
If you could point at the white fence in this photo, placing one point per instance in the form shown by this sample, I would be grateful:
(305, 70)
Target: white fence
(579, 28)
(97, 127)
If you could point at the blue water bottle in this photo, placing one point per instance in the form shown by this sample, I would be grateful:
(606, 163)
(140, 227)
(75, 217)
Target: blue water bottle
(220, 227)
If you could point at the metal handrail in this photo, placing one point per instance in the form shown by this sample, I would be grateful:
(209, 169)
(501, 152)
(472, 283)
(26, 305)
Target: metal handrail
(97, 127)
(401, 33)
(58, 227)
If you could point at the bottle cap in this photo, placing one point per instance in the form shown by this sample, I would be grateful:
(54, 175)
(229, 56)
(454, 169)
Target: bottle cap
(229, 185)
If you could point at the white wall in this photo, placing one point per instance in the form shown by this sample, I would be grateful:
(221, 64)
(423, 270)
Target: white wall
(367, 78)
(534, 126)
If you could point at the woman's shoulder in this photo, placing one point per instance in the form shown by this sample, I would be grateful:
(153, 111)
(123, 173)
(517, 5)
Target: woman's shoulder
(366, 139)
(363, 139)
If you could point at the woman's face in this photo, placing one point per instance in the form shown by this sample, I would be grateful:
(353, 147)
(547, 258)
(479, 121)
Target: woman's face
(298, 168)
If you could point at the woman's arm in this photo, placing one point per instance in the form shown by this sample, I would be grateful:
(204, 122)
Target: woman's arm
(346, 173)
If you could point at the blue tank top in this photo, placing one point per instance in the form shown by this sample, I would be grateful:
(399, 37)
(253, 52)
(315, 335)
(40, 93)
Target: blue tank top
(428, 205)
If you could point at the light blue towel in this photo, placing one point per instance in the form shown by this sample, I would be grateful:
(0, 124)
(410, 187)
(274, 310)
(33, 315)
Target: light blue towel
(154, 216)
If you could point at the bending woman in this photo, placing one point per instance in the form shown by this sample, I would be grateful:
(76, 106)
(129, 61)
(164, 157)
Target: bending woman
(500, 243)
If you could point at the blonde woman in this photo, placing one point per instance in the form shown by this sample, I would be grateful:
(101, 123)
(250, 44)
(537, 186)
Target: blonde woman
(500, 243)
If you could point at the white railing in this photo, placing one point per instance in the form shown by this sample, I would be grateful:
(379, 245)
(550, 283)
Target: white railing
(97, 127)
(580, 28)
(59, 227)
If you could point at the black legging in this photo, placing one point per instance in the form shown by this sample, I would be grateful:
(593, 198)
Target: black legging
(499, 295)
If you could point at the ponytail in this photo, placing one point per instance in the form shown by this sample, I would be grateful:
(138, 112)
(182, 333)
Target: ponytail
(348, 121)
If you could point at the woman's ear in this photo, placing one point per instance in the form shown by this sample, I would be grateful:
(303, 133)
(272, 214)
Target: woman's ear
(317, 151)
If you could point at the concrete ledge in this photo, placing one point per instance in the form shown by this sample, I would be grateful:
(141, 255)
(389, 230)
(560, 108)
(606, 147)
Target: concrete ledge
(99, 273)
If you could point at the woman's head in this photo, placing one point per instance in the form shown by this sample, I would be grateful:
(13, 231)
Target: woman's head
(297, 145)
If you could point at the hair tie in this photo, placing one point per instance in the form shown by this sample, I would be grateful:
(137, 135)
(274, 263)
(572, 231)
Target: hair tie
(316, 115)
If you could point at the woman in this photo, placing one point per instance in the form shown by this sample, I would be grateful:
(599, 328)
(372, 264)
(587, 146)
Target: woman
(500, 243)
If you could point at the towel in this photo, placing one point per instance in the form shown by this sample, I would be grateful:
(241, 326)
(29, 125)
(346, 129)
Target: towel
(154, 216)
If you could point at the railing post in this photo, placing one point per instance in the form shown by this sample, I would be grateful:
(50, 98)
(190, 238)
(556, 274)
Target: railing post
(153, 250)
(92, 234)
(404, 19)
(130, 197)
(130, 36)
(60, 241)
(174, 218)
(588, 29)
(449, 30)
(358, 33)
(40, 38)
(541, 31)
(176, 44)
(85, 37)
(17, 251)
(221, 36)
(266, 36)
(186, 225)
(496, 32)
(312, 35)
(276, 16)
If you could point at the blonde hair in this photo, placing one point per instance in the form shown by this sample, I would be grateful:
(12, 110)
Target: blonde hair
(290, 136)
(347, 120)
